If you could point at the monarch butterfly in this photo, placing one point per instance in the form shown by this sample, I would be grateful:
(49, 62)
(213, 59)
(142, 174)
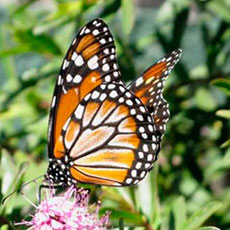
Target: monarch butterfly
(100, 130)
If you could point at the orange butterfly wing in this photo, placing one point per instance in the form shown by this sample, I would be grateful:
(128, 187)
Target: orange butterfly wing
(89, 62)
(110, 138)
(149, 87)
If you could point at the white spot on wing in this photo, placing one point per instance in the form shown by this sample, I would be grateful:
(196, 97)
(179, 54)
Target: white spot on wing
(106, 51)
(121, 100)
(150, 157)
(113, 94)
(139, 81)
(69, 78)
(108, 78)
(74, 56)
(102, 41)
(74, 41)
(129, 102)
(129, 181)
(142, 109)
(143, 174)
(134, 173)
(95, 32)
(77, 79)
(79, 111)
(92, 62)
(111, 86)
(86, 98)
(87, 31)
(83, 30)
(115, 74)
(59, 80)
(65, 64)
(53, 101)
(141, 155)
(102, 97)
(138, 165)
(105, 67)
(95, 94)
(145, 148)
(66, 124)
(140, 117)
(133, 111)
(79, 61)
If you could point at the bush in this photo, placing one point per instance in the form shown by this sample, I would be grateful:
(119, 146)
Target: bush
(188, 188)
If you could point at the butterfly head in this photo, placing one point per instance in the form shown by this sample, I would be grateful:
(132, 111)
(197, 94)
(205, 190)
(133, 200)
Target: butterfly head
(58, 172)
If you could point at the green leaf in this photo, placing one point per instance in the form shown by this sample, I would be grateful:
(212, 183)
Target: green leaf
(31, 78)
(49, 25)
(219, 165)
(4, 227)
(7, 62)
(200, 216)
(128, 16)
(149, 203)
(220, 8)
(222, 84)
(119, 196)
(14, 51)
(155, 207)
(128, 217)
(225, 144)
(121, 224)
(30, 42)
(12, 178)
(70, 8)
(204, 100)
(199, 72)
(110, 8)
(223, 113)
(22, 7)
(38, 43)
(179, 213)
(208, 228)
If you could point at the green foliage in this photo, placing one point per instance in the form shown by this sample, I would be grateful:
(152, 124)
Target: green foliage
(188, 189)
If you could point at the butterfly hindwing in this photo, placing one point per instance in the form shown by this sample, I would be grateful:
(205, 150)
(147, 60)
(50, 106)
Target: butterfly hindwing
(90, 61)
(110, 138)
(149, 87)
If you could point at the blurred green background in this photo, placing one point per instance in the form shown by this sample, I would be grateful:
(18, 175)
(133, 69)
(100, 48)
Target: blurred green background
(189, 187)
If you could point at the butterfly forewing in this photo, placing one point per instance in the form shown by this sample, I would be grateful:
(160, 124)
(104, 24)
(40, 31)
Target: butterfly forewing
(90, 61)
(149, 87)
(110, 138)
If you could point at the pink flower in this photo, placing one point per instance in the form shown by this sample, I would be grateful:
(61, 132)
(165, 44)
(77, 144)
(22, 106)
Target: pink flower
(68, 211)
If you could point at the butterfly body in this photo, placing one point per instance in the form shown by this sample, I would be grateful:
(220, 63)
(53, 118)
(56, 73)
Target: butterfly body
(100, 130)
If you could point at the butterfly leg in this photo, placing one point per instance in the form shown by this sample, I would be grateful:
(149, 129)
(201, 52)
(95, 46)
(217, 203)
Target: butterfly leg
(48, 186)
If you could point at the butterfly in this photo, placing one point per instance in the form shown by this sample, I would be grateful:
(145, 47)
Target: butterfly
(100, 130)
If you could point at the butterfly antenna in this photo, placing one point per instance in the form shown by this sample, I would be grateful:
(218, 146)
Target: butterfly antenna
(19, 189)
